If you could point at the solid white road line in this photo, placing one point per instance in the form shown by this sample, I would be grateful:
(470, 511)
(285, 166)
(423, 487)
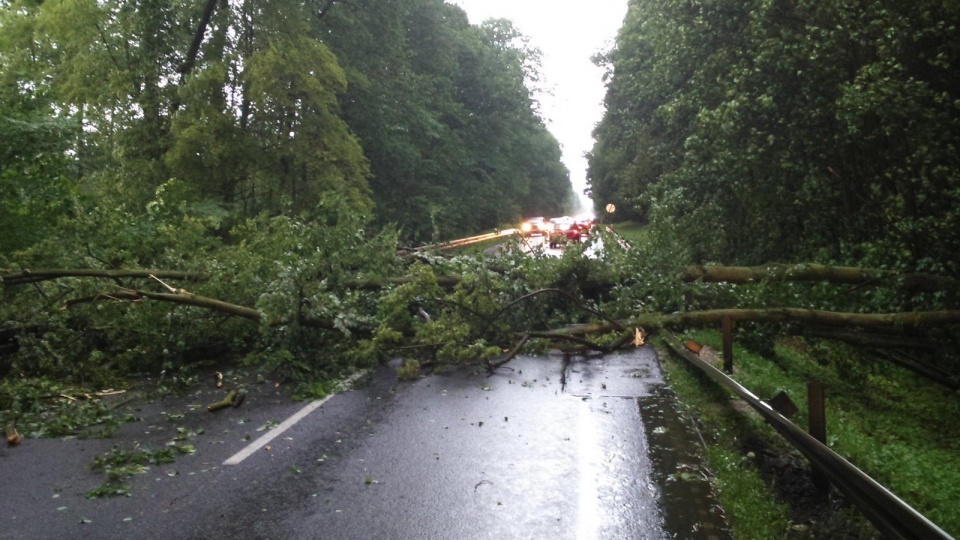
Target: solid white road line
(287, 424)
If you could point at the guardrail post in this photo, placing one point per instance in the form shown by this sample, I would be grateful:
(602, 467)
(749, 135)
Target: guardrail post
(817, 427)
(727, 326)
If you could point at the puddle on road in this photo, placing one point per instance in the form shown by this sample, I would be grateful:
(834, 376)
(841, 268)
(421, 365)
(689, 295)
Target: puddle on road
(687, 500)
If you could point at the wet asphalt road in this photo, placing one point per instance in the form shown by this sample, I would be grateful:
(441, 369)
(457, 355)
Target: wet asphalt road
(552, 447)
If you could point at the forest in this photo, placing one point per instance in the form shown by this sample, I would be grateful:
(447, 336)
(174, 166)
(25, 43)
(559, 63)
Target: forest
(768, 130)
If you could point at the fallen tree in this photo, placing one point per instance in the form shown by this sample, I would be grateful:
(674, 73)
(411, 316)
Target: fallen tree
(840, 275)
(577, 336)
(35, 276)
(767, 315)
(180, 296)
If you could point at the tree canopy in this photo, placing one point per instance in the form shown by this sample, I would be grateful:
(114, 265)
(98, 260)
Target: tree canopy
(768, 130)
(403, 109)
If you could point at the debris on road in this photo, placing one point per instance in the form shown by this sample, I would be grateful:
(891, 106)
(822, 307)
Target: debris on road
(13, 438)
(233, 399)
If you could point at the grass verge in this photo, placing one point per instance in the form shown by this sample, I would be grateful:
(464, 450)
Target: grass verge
(898, 428)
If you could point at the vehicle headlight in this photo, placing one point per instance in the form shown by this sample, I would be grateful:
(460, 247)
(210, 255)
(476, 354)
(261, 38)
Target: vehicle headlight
(526, 227)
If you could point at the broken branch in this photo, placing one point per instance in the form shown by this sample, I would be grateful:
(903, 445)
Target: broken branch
(492, 366)
(809, 316)
(843, 275)
(165, 286)
(224, 403)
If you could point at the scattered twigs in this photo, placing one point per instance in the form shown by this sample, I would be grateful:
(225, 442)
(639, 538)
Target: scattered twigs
(39, 289)
(573, 339)
(627, 338)
(116, 296)
(169, 289)
(575, 300)
(798, 315)
(187, 298)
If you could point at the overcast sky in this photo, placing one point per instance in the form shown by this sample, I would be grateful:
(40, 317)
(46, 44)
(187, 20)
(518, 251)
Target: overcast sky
(568, 33)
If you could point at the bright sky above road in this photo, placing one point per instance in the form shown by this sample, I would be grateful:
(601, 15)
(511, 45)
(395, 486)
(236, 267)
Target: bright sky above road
(567, 33)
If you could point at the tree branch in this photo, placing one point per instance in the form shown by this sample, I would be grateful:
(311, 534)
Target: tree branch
(34, 276)
(846, 275)
(492, 366)
(573, 299)
(808, 316)
(191, 59)
(189, 299)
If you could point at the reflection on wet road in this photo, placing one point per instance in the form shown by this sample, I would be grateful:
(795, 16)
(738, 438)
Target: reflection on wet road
(514, 455)
(548, 447)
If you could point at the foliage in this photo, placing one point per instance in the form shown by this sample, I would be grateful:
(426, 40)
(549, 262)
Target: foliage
(409, 371)
(774, 131)
(43, 408)
(290, 269)
(119, 465)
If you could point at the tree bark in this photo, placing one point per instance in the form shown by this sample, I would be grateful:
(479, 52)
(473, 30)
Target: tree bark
(808, 316)
(187, 298)
(843, 275)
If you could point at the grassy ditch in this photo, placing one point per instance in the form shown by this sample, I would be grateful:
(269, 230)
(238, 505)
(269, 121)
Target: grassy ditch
(898, 428)
(631, 231)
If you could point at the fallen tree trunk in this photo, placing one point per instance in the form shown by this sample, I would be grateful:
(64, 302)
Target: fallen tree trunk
(187, 298)
(888, 339)
(35, 276)
(841, 275)
(224, 403)
(807, 316)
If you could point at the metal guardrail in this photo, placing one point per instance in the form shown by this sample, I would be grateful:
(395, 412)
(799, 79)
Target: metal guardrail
(894, 518)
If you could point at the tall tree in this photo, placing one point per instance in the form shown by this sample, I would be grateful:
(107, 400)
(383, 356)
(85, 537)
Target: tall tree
(772, 130)
(443, 114)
